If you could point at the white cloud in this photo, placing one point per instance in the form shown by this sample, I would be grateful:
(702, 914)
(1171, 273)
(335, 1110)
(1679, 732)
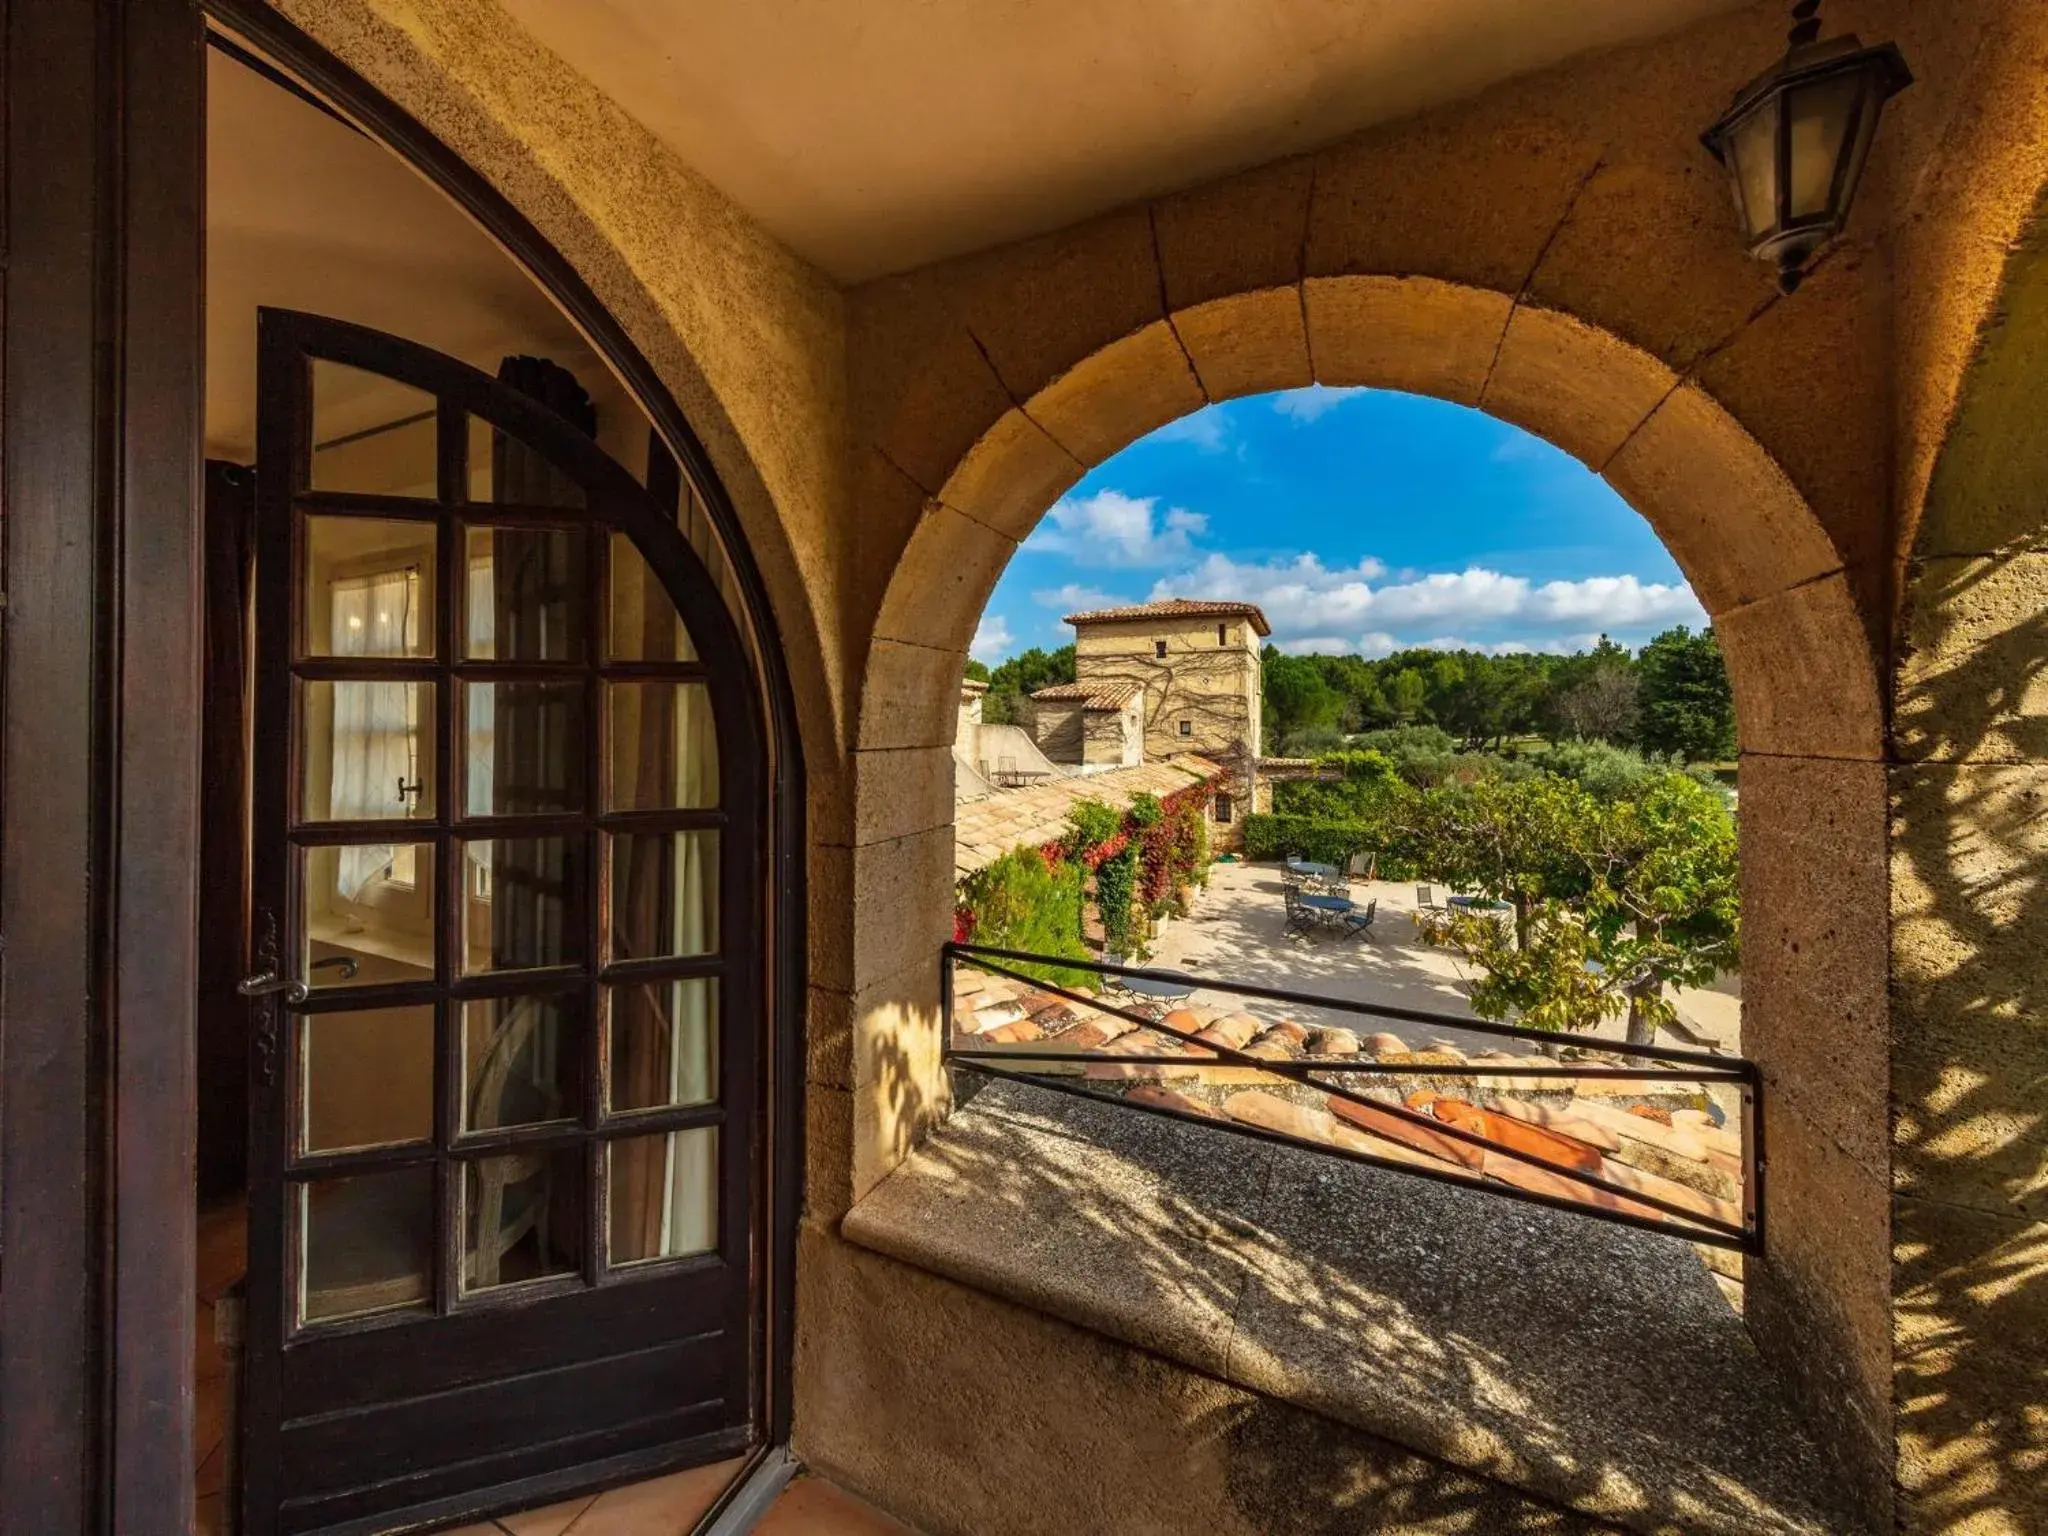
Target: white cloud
(992, 638)
(1114, 529)
(1207, 430)
(1316, 401)
(1308, 603)
(1075, 598)
(1519, 447)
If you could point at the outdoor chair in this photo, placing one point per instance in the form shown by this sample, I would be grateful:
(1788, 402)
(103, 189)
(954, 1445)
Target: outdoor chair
(1300, 919)
(1426, 902)
(1357, 923)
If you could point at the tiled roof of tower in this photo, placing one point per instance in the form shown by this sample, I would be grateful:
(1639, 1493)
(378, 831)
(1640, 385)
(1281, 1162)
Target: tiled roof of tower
(1090, 695)
(1036, 815)
(1176, 608)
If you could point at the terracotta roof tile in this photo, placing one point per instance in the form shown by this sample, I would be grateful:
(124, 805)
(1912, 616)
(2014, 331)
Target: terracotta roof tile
(1176, 608)
(1090, 695)
(1037, 814)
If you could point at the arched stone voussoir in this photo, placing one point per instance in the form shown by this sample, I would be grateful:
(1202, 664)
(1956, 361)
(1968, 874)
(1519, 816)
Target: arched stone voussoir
(1802, 674)
(1113, 397)
(1412, 333)
(1247, 344)
(1731, 517)
(1010, 476)
(1572, 384)
(943, 581)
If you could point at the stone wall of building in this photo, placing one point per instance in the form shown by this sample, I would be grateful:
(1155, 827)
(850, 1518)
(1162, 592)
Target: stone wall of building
(1060, 729)
(1116, 738)
(1202, 695)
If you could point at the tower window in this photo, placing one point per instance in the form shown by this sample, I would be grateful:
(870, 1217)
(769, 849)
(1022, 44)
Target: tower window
(1158, 647)
(1222, 808)
(1187, 727)
(1223, 634)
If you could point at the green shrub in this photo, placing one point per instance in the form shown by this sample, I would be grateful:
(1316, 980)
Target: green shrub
(1090, 824)
(1269, 837)
(1021, 902)
(1613, 773)
(1116, 887)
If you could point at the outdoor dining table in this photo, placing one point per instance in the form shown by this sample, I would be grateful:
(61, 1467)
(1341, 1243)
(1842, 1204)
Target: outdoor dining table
(1310, 870)
(1478, 904)
(1336, 905)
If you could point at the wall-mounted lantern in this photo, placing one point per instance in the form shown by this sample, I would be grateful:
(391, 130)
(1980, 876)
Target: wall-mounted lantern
(1795, 138)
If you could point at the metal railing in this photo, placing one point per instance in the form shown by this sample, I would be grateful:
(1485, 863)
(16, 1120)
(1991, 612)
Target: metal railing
(1671, 1064)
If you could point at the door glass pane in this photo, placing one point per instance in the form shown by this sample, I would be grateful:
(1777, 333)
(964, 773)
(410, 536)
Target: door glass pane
(1822, 115)
(504, 471)
(664, 746)
(369, 587)
(524, 748)
(365, 1243)
(522, 1216)
(663, 1042)
(524, 594)
(1754, 147)
(366, 1077)
(523, 903)
(366, 751)
(644, 624)
(520, 1061)
(371, 435)
(661, 1197)
(369, 914)
(664, 894)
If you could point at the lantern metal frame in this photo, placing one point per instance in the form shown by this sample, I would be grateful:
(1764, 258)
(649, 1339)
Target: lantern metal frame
(1788, 240)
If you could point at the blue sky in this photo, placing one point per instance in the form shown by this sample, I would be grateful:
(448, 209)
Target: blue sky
(1361, 520)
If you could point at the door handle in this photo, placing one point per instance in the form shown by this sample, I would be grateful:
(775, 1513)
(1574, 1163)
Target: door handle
(264, 983)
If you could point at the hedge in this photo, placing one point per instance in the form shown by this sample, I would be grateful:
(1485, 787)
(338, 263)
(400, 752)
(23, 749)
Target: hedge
(1268, 837)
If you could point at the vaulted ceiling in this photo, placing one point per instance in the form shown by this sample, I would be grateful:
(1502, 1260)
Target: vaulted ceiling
(875, 135)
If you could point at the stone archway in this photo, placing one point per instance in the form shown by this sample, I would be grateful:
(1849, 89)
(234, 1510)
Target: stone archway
(1806, 686)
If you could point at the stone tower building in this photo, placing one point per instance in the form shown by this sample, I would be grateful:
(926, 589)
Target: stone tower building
(1155, 679)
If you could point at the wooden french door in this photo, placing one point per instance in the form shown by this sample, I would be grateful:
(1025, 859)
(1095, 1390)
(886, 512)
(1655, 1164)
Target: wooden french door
(506, 858)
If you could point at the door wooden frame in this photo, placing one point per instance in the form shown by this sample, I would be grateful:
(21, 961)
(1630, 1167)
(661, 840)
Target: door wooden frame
(101, 409)
(100, 421)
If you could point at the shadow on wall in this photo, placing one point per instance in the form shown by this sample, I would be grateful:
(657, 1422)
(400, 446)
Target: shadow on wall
(1970, 1064)
(1970, 958)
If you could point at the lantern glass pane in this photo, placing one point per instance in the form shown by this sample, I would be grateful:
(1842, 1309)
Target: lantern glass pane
(1821, 116)
(1753, 150)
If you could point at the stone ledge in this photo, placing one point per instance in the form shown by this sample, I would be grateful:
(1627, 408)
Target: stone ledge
(1584, 1362)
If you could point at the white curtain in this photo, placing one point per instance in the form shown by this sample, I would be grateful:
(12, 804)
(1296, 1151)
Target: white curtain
(691, 1219)
(480, 748)
(374, 744)
(690, 1223)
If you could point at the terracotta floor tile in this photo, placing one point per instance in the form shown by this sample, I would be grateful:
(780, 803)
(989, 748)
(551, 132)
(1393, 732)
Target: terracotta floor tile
(813, 1507)
(662, 1506)
(550, 1521)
